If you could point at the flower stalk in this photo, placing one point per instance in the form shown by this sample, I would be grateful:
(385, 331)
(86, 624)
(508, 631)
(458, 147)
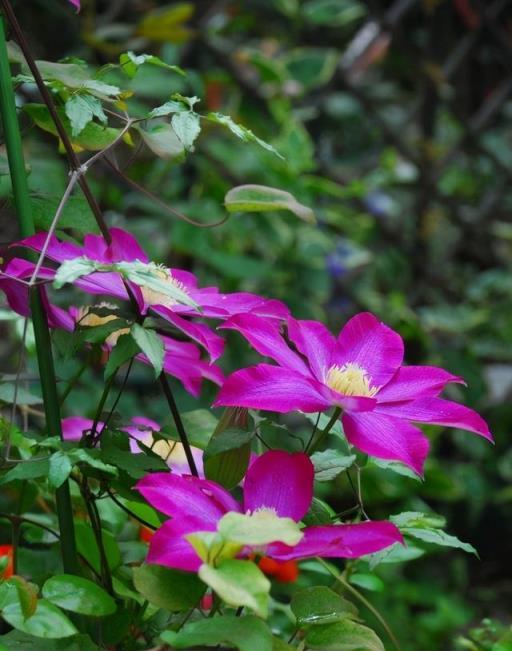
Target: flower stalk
(41, 331)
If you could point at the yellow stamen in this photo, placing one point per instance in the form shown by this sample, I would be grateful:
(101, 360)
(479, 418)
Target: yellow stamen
(153, 297)
(350, 380)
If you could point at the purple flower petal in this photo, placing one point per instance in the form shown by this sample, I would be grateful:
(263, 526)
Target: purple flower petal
(272, 388)
(411, 382)
(371, 345)
(95, 248)
(124, 247)
(107, 283)
(187, 498)
(265, 337)
(340, 541)
(387, 437)
(315, 342)
(57, 251)
(438, 412)
(73, 427)
(281, 481)
(197, 331)
(168, 546)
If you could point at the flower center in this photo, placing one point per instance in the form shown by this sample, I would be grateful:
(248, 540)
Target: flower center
(350, 380)
(154, 297)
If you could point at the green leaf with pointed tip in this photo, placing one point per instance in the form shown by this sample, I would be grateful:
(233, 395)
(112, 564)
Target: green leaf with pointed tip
(27, 594)
(124, 350)
(427, 528)
(166, 588)
(240, 131)
(259, 528)
(60, 469)
(172, 106)
(71, 270)
(81, 109)
(260, 198)
(131, 62)
(27, 470)
(245, 633)
(151, 345)
(319, 605)
(238, 583)
(48, 621)
(78, 595)
(330, 463)
(345, 635)
(187, 127)
(76, 213)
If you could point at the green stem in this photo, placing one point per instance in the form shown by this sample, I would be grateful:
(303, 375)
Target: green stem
(41, 331)
(323, 433)
(350, 588)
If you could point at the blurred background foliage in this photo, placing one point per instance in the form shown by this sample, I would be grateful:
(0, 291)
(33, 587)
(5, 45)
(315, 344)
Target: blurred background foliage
(394, 121)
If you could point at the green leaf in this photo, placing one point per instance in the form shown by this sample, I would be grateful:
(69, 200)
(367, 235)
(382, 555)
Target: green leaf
(245, 633)
(166, 588)
(154, 277)
(238, 583)
(27, 594)
(124, 350)
(163, 141)
(320, 605)
(150, 344)
(91, 457)
(23, 397)
(427, 528)
(71, 270)
(319, 513)
(27, 470)
(330, 463)
(226, 457)
(87, 547)
(312, 67)
(260, 198)
(48, 621)
(172, 106)
(240, 131)
(259, 528)
(395, 466)
(131, 62)
(23, 642)
(93, 137)
(345, 635)
(187, 127)
(76, 213)
(60, 469)
(78, 595)
(81, 109)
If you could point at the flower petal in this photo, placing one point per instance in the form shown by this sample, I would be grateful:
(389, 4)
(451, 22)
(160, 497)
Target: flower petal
(437, 411)
(387, 437)
(73, 427)
(265, 337)
(108, 283)
(272, 388)
(124, 247)
(340, 541)
(168, 546)
(199, 332)
(315, 342)
(57, 251)
(373, 346)
(186, 497)
(281, 481)
(411, 382)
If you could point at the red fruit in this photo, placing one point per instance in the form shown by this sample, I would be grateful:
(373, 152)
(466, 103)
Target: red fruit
(145, 534)
(7, 550)
(288, 572)
(268, 566)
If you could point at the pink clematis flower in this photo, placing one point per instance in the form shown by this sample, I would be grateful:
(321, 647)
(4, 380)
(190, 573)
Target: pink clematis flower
(125, 248)
(360, 372)
(141, 429)
(277, 481)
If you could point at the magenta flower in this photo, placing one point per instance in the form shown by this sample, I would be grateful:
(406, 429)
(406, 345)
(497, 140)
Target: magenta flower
(141, 429)
(360, 372)
(278, 482)
(76, 4)
(125, 248)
